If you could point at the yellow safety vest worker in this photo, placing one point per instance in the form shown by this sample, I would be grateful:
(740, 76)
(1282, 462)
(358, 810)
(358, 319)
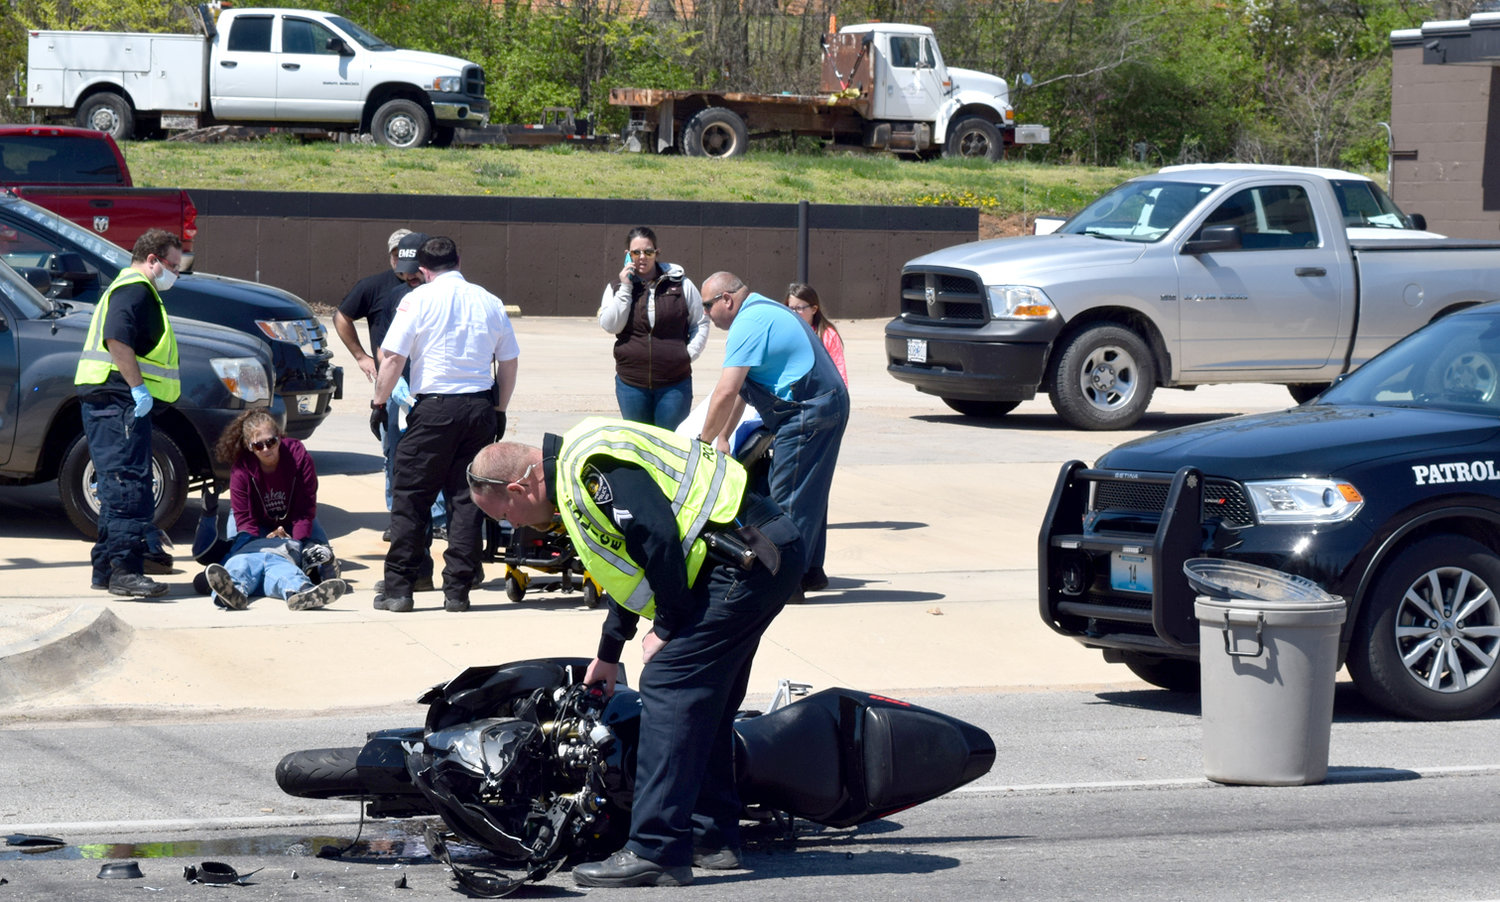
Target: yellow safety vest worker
(702, 485)
(158, 366)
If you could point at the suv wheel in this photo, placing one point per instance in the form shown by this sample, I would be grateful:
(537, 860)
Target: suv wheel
(77, 484)
(1428, 637)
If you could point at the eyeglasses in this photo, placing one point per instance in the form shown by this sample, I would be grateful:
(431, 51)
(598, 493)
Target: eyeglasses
(174, 267)
(709, 304)
(798, 308)
(476, 480)
(265, 444)
(644, 253)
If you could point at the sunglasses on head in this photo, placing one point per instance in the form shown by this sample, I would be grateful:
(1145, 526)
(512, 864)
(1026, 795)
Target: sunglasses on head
(265, 444)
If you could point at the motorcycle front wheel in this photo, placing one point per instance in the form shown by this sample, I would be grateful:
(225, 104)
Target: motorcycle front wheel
(321, 774)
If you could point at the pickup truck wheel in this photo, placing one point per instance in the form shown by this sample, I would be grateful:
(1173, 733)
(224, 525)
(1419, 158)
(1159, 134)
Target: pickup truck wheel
(1103, 378)
(1305, 391)
(108, 113)
(1427, 641)
(715, 132)
(401, 124)
(975, 138)
(77, 484)
(971, 408)
(1176, 674)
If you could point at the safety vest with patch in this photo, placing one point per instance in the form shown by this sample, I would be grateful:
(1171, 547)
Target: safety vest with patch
(702, 485)
(158, 366)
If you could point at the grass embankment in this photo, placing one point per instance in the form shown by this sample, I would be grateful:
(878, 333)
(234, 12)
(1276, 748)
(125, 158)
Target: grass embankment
(1005, 192)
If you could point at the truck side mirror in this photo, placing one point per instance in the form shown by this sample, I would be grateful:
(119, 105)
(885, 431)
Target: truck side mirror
(39, 278)
(1418, 221)
(337, 45)
(1214, 238)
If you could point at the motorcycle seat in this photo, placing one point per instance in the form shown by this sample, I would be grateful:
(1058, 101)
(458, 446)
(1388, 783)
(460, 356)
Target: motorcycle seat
(789, 760)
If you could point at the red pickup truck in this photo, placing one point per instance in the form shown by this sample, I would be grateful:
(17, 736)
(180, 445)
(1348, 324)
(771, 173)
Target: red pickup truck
(80, 174)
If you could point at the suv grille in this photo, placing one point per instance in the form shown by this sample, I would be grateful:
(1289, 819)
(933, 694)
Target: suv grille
(943, 298)
(1223, 499)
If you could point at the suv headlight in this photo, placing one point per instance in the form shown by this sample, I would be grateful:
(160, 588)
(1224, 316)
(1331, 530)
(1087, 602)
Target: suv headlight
(448, 84)
(305, 334)
(245, 378)
(1304, 500)
(1019, 302)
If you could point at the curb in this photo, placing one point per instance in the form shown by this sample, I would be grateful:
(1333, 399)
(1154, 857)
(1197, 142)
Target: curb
(88, 638)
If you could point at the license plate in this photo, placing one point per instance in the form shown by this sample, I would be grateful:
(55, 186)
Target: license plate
(916, 350)
(307, 403)
(1130, 572)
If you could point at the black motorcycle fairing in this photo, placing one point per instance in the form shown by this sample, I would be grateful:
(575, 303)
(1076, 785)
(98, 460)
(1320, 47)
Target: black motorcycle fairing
(860, 757)
(493, 690)
(617, 772)
(482, 778)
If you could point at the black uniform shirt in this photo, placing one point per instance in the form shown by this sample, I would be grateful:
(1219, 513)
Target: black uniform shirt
(375, 298)
(133, 319)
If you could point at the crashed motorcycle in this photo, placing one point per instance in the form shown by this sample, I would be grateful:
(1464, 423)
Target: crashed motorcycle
(530, 763)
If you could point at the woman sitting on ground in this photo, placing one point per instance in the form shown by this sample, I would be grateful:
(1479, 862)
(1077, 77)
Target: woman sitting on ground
(273, 492)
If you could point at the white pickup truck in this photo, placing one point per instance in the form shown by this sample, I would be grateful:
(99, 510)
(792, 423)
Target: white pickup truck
(267, 67)
(1191, 276)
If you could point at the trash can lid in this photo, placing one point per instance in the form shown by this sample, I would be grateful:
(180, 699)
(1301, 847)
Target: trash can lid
(1233, 579)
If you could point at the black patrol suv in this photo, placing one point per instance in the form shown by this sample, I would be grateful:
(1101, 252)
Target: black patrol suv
(1385, 490)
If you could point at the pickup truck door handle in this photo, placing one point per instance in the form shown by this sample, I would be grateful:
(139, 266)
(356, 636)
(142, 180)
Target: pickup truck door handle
(1311, 271)
(291, 67)
(228, 64)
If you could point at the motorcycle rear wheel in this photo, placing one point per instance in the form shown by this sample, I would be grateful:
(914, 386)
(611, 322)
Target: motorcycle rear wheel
(321, 774)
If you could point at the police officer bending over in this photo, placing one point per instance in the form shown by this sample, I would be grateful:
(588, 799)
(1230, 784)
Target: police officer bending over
(463, 356)
(643, 508)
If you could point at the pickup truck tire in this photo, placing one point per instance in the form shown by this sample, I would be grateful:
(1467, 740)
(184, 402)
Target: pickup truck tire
(972, 408)
(1103, 378)
(401, 124)
(80, 499)
(109, 113)
(1175, 674)
(1302, 392)
(975, 138)
(1427, 639)
(715, 132)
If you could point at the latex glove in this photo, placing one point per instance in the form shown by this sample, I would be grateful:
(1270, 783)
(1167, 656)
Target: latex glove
(143, 401)
(378, 421)
(402, 394)
(499, 425)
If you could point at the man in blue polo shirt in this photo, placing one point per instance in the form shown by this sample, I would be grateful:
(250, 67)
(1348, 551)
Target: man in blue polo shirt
(776, 363)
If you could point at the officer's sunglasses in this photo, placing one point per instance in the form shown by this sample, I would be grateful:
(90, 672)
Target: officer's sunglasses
(477, 480)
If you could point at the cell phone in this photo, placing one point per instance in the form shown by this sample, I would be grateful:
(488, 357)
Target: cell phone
(627, 258)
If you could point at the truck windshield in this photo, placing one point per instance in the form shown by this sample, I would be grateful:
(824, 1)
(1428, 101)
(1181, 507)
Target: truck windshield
(69, 233)
(365, 39)
(1143, 211)
(1451, 364)
(1364, 204)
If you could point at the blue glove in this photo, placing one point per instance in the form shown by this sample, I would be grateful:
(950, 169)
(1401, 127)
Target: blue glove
(142, 398)
(402, 394)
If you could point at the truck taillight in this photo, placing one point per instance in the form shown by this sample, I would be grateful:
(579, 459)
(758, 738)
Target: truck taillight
(189, 223)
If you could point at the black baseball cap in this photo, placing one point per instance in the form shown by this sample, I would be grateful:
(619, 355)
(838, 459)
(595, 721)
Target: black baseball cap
(406, 252)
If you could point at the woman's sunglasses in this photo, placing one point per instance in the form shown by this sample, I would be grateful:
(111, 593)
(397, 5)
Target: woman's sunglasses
(265, 444)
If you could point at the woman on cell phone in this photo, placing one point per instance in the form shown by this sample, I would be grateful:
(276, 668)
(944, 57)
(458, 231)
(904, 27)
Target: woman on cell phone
(656, 315)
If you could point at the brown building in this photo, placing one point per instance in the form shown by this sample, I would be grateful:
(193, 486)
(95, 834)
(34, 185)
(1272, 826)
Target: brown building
(1445, 124)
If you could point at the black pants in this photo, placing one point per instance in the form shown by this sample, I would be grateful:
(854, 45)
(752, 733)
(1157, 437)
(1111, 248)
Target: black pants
(120, 445)
(690, 692)
(443, 434)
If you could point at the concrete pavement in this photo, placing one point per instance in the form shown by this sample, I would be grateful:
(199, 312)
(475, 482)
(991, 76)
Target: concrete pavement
(932, 564)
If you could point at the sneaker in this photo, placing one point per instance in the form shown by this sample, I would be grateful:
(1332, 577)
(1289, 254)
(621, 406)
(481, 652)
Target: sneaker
(321, 595)
(135, 585)
(629, 869)
(398, 605)
(224, 588)
(379, 602)
(717, 860)
(157, 562)
(455, 605)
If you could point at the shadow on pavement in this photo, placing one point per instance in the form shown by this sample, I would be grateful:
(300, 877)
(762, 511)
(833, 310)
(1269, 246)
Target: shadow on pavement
(1049, 422)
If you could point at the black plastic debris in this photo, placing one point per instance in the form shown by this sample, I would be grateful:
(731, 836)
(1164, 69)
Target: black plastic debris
(215, 872)
(32, 840)
(120, 870)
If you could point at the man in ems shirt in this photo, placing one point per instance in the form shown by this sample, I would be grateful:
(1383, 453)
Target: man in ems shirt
(128, 363)
(463, 356)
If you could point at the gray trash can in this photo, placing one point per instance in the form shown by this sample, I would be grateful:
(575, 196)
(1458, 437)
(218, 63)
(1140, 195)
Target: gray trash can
(1268, 654)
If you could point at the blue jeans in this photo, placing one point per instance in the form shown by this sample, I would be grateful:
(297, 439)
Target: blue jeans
(120, 445)
(388, 444)
(666, 406)
(258, 572)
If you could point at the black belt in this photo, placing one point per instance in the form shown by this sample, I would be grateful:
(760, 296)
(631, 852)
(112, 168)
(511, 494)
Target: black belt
(468, 394)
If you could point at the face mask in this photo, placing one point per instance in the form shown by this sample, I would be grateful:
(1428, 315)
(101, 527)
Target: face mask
(165, 279)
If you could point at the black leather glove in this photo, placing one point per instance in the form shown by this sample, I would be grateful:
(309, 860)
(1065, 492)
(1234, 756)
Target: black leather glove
(378, 421)
(499, 425)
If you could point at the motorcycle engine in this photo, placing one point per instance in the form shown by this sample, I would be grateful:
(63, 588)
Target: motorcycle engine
(486, 778)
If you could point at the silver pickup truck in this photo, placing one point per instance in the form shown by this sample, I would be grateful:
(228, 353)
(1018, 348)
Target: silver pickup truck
(1191, 276)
